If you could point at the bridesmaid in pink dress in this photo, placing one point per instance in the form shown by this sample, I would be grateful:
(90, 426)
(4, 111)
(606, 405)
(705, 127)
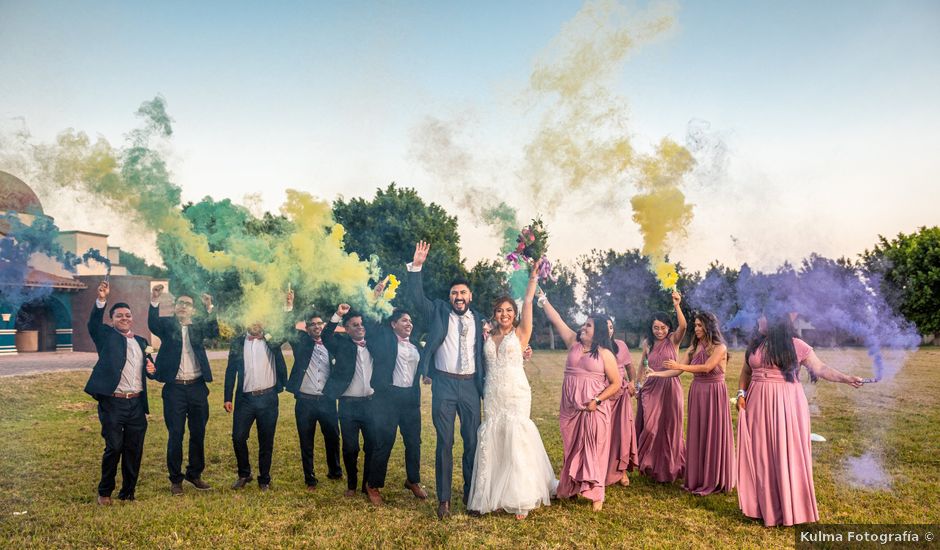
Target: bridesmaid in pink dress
(661, 449)
(623, 453)
(591, 379)
(775, 462)
(710, 466)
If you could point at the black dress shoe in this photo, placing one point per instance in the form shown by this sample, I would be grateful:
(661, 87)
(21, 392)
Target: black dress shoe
(474, 513)
(241, 482)
(199, 483)
(335, 475)
(126, 497)
(443, 510)
(176, 489)
(264, 487)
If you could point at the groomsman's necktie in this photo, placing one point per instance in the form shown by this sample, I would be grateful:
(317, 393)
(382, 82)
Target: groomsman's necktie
(463, 361)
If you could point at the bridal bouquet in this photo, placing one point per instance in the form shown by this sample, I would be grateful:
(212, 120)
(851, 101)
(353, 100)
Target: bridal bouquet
(531, 245)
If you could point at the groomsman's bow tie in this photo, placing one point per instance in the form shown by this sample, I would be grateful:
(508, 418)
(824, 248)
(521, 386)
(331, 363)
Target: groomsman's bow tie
(129, 335)
(259, 337)
(318, 342)
(361, 343)
(403, 339)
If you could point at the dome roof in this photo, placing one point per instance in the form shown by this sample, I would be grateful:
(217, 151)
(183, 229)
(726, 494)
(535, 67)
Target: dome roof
(15, 195)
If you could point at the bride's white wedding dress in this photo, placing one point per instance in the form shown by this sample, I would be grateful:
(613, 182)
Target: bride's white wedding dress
(511, 469)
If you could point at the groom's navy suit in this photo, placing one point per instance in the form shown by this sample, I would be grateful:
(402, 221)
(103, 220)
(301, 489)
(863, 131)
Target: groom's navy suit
(451, 395)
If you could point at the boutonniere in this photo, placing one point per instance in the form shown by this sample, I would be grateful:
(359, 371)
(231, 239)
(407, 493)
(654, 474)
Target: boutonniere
(267, 336)
(148, 350)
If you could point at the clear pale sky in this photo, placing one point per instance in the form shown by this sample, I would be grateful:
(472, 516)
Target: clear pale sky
(829, 110)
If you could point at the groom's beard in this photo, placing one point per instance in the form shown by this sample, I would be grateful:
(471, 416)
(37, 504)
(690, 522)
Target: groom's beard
(460, 308)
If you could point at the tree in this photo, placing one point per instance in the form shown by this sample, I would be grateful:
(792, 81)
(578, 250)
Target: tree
(906, 269)
(387, 228)
(488, 282)
(139, 266)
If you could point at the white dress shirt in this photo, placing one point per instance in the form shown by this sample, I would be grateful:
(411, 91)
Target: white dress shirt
(318, 370)
(405, 365)
(132, 373)
(445, 358)
(189, 368)
(259, 366)
(361, 385)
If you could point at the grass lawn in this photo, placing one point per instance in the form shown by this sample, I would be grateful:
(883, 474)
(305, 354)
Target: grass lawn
(50, 451)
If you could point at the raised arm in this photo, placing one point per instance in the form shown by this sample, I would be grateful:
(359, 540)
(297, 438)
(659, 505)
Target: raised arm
(821, 370)
(568, 336)
(679, 333)
(416, 282)
(156, 324)
(524, 330)
(209, 324)
(96, 320)
(329, 333)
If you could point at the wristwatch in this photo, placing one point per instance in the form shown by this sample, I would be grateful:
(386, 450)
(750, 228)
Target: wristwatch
(596, 400)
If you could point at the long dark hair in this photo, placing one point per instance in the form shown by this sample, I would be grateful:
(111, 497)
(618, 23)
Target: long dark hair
(712, 328)
(778, 347)
(500, 301)
(663, 318)
(601, 337)
(613, 341)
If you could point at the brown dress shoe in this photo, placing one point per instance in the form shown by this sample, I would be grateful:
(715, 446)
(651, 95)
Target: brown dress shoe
(350, 493)
(374, 497)
(199, 483)
(176, 489)
(104, 500)
(416, 489)
(443, 510)
(311, 488)
(241, 482)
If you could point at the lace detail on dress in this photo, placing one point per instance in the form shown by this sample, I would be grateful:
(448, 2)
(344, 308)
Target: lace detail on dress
(511, 470)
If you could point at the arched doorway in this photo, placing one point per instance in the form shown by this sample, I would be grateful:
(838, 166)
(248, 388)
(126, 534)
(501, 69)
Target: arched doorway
(36, 326)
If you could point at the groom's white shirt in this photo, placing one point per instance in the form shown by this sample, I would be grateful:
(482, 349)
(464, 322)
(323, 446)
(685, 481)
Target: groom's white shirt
(445, 359)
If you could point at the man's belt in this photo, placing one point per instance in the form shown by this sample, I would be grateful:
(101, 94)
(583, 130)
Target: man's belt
(126, 395)
(310, 396)
(259, 392)
(456, 376)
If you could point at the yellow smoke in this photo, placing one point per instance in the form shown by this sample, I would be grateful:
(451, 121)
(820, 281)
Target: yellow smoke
(660, 208)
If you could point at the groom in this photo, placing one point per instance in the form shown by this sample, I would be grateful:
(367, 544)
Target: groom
(454, 362)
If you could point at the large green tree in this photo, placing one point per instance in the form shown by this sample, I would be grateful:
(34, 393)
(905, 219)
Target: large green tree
(388, 226)
(907, 271)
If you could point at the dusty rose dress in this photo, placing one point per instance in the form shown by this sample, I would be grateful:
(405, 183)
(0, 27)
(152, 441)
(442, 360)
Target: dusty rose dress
(585, 435)
(623, 453)
(661, 448)
(710, 466)
(775, 462)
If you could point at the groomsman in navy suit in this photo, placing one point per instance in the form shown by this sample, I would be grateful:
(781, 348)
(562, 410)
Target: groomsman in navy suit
(308, 378)
(183, 367)
(255, 374)
(118, 382)
(453, 363)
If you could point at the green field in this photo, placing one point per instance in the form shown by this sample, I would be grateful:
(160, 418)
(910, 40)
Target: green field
(51, 449)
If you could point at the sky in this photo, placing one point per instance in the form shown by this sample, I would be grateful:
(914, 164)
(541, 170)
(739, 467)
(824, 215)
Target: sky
(826, 112)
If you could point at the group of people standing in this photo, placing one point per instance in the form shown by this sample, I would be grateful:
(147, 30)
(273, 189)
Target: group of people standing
(365, 379)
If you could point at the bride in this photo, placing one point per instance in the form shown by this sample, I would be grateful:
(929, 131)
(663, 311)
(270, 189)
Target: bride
(511, 469)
